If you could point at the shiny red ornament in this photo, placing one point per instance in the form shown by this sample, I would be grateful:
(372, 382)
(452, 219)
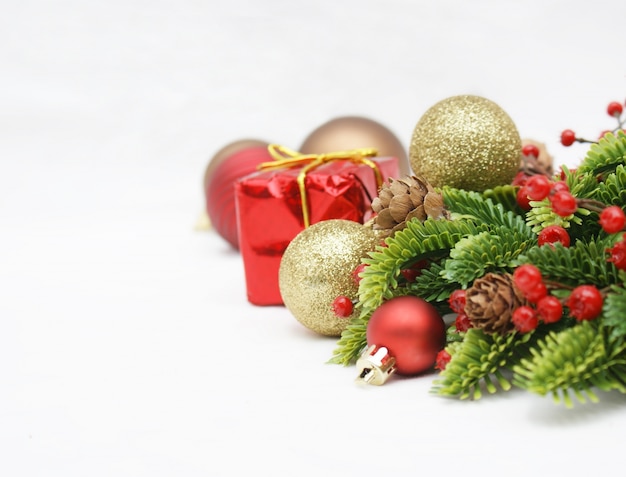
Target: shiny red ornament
(412, 331)
(231, 163)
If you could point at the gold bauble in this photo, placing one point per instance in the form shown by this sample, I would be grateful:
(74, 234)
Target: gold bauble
(317, 267)
(354, 132)
(467, 142)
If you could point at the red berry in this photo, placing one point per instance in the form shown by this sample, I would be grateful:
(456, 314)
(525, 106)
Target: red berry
(585, 302)
(559, 186)
(549, 309)
(614, 109)
(553, 234)
(564, 203)
(530, 150)
(342, 306)
(442, 360)
(525, 319)
(526, 277)
(537, 293)
(457, 301)
(538, 187)
(568, 137)
(356, 273)
(522, 198)
(612, 219)
(618, 255)
(410, 274)
(520, 179)
(462, 322)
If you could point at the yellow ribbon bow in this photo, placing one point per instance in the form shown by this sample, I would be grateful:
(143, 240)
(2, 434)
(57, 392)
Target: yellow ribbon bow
(286, 158)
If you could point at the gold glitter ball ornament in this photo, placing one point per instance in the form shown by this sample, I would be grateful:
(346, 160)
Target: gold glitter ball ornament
(467, 142)
(317, 267)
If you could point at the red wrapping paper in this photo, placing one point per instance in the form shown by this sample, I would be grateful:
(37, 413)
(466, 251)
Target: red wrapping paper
(270, 215)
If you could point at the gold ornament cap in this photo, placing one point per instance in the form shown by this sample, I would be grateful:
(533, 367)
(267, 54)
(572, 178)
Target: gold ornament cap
(467, 142)
(375, 366)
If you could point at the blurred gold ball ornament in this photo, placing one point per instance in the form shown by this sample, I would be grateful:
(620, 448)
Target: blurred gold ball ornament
(467, 142)
(317, 267)
(353, 132)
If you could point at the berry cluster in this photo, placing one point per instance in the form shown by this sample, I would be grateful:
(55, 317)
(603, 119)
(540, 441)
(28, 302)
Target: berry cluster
(442, 359)
(457, 301)
(540, 187)
(613, 109)
(584, 302)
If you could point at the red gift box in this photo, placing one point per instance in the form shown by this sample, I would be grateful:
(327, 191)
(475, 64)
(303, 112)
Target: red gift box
(285, 196)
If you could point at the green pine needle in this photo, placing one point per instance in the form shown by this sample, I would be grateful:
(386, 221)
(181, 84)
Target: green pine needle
(615, 311)
(605, 156)
(474, 206)
(612, 190)
(583, 262)
(573, 362)
(477, 363)
(476, 255)
(506, 195)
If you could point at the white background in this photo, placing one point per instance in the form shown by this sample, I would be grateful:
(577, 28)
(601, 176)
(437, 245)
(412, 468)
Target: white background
(127, 346)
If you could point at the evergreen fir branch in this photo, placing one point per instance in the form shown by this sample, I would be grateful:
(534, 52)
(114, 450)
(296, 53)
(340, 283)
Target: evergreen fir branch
(612, 190)
(476, 255)
(506, 195)
(583, 262)
(573, 362)
(432, 238)
(541, 216)
(614, 311)
(473, 206)
(581, 185)
(416, 242)
(351, 343)
(605, 156)
(432, 286)
(477, 362)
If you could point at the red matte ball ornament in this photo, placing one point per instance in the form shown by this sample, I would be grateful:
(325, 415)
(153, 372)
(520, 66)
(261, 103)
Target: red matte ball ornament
(229, 164)
(411, 329)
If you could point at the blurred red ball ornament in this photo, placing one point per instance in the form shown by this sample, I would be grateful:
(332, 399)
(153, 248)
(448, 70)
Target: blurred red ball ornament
(232, 162)
(412, 331)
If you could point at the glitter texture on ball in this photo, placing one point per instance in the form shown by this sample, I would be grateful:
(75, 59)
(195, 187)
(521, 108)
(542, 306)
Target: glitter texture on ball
(467, 142)
(317, 267)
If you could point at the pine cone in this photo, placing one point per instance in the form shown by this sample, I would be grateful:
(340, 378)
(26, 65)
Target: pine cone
(490, 302)
(404, 199)
(540, 165)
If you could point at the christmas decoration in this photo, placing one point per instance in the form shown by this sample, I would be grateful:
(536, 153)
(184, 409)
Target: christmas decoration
(490, 302)
(466, 142)
(410, 330)
(404, 199)
(545, 314)
(293, 191)
(316, 269)
(535, 158)
(353, 132)
(233, 161)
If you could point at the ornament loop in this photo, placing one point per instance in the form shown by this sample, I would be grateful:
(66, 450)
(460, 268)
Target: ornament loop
(286, 158)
